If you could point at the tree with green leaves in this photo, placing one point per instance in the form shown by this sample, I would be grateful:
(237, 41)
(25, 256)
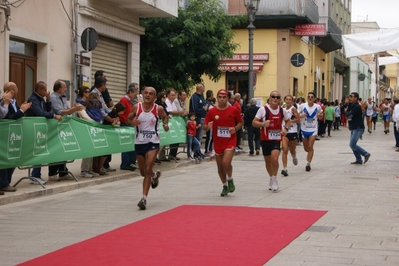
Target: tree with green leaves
(177, 52)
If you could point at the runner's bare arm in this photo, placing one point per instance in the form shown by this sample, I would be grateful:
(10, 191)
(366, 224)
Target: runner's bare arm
(131, 119)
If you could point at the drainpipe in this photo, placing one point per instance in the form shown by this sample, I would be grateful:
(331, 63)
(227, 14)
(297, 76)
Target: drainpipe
(74, 50)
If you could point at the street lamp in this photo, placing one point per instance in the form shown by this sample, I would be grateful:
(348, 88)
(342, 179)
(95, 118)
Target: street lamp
(252, 7)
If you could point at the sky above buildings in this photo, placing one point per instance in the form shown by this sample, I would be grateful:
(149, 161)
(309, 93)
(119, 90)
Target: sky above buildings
(384, 12)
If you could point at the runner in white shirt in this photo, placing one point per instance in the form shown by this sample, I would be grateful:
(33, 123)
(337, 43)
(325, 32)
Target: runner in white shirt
(144, 116)
(369, 114)
(270, 120)
(309, 112)
(290, 139)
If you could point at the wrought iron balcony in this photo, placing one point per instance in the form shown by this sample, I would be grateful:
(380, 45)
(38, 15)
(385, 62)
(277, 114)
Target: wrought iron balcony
(278, 14)
(332, 40)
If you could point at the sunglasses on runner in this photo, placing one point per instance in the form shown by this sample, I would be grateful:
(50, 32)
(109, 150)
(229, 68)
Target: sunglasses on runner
(275, 97)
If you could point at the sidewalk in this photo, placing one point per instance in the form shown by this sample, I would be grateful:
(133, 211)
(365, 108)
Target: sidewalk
(26, 191)
(359, 228)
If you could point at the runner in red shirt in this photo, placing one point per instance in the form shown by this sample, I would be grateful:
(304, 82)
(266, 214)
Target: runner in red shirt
(225, 121)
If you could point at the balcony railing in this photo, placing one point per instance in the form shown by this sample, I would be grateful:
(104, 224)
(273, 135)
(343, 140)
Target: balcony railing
(280, 8)
(300, 8)
(332, 40)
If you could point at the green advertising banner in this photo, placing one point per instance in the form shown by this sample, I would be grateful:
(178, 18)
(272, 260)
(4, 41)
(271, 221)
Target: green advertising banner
(36, 140)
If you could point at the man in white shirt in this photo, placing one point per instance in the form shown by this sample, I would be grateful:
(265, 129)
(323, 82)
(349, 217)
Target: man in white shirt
(172, 108)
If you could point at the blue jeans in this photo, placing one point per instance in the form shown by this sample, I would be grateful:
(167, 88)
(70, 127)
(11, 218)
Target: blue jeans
(36, 172)
(5, 177)
(357, 150)
(127, 157)
(192, 142)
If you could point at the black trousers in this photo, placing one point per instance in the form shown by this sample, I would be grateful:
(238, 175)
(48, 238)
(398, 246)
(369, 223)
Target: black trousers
(56, 169)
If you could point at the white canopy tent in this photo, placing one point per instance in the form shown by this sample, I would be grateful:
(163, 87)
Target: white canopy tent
(371, 42)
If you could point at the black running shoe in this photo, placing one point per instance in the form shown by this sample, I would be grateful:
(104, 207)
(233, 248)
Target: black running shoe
(284, 172)
(142, 204)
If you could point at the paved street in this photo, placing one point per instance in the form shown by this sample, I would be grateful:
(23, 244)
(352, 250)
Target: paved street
(361, 226)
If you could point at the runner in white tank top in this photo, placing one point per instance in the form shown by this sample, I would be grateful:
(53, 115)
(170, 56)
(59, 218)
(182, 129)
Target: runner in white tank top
(290, 139)
(144, 116)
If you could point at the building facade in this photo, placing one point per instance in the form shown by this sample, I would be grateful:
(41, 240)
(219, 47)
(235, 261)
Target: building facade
(283, 59)
(42, 40)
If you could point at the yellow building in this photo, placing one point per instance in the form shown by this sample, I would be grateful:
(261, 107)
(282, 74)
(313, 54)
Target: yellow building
(280, 67)
(292, 64)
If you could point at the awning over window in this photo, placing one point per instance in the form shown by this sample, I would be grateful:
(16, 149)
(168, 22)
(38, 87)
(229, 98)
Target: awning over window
(240, 63)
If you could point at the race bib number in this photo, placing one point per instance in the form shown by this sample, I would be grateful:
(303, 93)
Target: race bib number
(309, 122)
(274, 135)
(223, 132)
(146, 135)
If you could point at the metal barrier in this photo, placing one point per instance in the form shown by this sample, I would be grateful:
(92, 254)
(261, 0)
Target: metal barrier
(38, 181)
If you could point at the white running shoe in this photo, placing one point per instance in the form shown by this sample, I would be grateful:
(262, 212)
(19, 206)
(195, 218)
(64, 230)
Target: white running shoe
(86, 174)
(295, 160)
(274, 184)
(94, 174)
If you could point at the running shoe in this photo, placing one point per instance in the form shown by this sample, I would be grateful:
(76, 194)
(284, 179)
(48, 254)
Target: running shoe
(155, 179)
(257, 152)
(37, 181)
(274, 184)
(270, 184)
(308, 167)
(142, 204)
(94, 174)
(86, 174)
(284, 172)
(225, 191)
(231, 185)
(295, 160)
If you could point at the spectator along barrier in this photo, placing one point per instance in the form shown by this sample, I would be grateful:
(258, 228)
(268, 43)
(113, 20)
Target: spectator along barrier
(36, 141)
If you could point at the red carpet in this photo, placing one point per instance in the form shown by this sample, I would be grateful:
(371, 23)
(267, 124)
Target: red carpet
(191, 235)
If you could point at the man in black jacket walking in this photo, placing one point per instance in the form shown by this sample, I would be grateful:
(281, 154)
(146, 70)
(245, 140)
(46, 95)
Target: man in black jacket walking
(356, 125)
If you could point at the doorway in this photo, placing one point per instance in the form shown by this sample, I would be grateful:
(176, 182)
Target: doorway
(23, 68)
(237, 82)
